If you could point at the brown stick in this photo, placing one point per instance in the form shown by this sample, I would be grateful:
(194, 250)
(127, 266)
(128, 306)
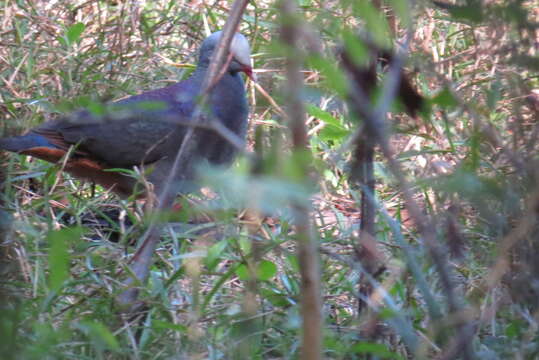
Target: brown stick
(362, 172)
(307, 251)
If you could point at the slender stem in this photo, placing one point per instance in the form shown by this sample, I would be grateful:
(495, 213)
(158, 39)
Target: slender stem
(311, 347)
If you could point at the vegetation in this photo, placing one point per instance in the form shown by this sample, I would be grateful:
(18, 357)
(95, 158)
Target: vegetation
(451, 269)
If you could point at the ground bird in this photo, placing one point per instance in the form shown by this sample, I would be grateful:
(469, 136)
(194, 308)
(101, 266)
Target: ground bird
(148, 129)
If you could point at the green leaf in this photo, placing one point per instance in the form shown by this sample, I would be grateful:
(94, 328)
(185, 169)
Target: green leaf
(402, 10)
(214, 254)
(243, 272)
(321, 114)
(472, 12)
(59, 256)
(514, 329)
(62, 41)
(334, 78)
(74, 32)
(380, 350)
(275, 297)
(294, 167)
(333, 129)
(293, 262)
(356, 48)
(159, 324)
(271, 194)
(376, 22)
(245, 245)
(218, 284)
(96, 108)
(445, 99)
(265, 271)
(100, 335)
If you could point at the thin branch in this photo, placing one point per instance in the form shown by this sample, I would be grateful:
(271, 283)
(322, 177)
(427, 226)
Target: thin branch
(311, 344)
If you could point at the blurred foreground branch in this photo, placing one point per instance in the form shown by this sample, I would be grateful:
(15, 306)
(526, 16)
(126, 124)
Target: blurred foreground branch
(311, 345)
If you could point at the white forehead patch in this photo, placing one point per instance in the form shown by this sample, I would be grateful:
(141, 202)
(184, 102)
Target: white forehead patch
(239, 47)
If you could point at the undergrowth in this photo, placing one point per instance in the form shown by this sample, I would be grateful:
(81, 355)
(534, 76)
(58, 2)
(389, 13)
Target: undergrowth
(225, 283)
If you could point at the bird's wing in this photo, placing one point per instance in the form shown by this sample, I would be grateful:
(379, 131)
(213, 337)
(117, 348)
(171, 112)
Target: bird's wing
(140, 129)
(125, 142)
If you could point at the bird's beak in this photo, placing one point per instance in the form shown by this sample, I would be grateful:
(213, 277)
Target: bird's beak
(245, 68)
(248, 70)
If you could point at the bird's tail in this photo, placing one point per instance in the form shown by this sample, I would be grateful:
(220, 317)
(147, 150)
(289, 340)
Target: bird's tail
(24, 142)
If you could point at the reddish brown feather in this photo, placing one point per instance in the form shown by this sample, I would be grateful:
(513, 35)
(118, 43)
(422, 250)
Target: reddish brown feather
(45, 153)
(86, 168)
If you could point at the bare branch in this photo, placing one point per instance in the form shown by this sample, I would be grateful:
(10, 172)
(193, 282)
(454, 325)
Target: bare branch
(307, 252)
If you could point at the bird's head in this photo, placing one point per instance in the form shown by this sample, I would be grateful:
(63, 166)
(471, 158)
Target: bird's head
(239, 58)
